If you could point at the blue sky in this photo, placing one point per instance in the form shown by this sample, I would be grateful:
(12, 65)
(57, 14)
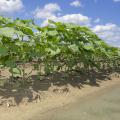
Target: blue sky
(102, 16)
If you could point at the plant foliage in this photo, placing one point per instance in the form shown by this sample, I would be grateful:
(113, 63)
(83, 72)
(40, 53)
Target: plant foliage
(56, 46)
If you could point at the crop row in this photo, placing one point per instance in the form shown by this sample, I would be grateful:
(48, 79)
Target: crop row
(57, 46)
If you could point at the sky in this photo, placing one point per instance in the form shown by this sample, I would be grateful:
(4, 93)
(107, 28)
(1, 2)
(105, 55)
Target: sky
(101, 16)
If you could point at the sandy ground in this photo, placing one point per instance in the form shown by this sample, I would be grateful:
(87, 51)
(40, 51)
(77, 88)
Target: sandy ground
(105, 105)
(52, 101)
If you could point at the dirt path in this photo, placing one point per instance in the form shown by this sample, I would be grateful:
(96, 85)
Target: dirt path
(105, 105)
(96, 103)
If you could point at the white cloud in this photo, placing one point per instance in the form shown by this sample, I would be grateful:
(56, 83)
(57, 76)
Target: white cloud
(52, 11)
(47, 11)
(76, 3)
(10, 6)
(116, 0)
(109, 32)
(70, 18)
(97, 20)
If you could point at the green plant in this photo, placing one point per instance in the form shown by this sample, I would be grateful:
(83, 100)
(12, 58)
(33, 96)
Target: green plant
(58, 46)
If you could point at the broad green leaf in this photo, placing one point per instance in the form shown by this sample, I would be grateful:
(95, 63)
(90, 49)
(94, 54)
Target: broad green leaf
(89, 47)
(15, 71)
(74, 48)
(52, 33)
(10, 63)
(3, 51)
(7, 32)
(53, 52)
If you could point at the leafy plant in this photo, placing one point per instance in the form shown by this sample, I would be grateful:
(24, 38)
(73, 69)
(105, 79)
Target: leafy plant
(56, 46)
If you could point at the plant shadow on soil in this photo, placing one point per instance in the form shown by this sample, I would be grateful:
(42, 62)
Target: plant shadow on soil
(31, 90)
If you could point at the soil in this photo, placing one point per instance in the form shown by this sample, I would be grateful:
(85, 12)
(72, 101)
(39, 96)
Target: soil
(40, 96)
(101, 105)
